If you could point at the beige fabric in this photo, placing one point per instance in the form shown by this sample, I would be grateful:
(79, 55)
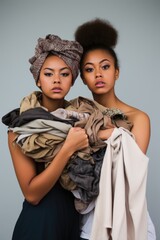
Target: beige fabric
(33, 100)
(41, 149)
(80, 103)
(35, 142)
(121, 207)
(90, 118)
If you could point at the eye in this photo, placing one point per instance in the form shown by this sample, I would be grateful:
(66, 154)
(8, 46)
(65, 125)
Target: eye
(65, 74)
(48, 74)
(88, 69)
(105, 67)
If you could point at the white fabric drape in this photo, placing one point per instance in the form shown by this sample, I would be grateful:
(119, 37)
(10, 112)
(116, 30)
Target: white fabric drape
(121, 207)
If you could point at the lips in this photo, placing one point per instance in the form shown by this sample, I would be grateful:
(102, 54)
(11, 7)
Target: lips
(56, 90)
(100, 84)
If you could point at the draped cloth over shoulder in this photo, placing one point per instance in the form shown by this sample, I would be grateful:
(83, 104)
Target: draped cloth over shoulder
(121, 209)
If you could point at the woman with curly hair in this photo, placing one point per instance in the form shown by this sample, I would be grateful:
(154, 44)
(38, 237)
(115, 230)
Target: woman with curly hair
(99, 69)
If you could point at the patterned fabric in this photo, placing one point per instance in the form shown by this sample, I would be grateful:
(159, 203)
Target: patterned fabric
(69, 51)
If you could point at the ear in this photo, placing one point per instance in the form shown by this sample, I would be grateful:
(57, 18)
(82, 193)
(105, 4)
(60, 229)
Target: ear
(38, 84)
(117, 74)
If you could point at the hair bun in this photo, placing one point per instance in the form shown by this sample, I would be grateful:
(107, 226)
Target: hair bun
(97, 32)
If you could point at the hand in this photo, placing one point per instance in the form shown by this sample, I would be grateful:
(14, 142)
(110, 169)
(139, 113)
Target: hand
(77, 139)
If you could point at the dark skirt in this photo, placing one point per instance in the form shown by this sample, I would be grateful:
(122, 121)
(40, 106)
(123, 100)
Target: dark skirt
(54, 218)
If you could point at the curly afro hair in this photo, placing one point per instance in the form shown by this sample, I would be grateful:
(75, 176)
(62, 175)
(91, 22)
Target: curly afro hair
(97, 32)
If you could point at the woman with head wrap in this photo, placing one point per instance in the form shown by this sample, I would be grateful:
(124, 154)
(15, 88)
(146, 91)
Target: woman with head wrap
(41, 125)
(48, 210)
(100, 70)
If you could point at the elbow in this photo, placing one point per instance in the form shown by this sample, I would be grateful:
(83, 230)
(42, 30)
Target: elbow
(34, 203)
(33, 200)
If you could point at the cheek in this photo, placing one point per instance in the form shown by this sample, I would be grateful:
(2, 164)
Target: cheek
(112, 76)
(44, 85)
(67, 84)
(86, 82)
(87, 78)
(90, 85)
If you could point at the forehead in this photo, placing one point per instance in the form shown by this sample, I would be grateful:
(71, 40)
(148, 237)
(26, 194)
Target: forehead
(97, 55)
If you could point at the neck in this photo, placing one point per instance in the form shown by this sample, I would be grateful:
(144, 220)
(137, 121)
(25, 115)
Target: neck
(107, 101)
(53, 105)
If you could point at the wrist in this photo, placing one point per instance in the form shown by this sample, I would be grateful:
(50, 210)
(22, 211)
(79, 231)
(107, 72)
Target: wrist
(67, 151)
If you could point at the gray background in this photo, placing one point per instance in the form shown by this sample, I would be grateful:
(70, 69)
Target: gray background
(22, 22)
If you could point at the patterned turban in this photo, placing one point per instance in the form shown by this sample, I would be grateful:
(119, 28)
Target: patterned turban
(69, 51)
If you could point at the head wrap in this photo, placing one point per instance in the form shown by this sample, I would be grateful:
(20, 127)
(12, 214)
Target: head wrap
(69, 51)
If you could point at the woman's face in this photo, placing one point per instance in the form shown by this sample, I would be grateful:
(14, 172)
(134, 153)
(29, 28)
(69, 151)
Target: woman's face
(99, 72)
(55, 78)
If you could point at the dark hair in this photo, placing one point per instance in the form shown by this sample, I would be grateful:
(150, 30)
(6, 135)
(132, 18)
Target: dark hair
(97, 34)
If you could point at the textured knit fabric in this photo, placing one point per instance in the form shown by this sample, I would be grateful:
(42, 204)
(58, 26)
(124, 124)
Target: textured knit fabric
(69, 51)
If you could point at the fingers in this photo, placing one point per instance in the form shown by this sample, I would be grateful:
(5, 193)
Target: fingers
(77, 130)
(78, 138)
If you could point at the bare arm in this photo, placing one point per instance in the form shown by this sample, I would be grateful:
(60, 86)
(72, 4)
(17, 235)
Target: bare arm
(141, 130)
(33, 186)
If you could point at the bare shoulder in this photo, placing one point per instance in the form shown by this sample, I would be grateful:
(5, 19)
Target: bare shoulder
(136, 115)
(141, 127)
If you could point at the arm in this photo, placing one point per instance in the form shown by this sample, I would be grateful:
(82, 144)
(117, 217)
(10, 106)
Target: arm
(105, 134)
(141, 130)
(33, 186)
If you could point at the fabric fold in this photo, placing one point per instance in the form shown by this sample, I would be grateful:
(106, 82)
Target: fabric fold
(121, 209)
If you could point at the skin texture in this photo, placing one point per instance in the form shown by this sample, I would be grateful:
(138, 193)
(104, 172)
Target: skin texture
(55, 81)
(100, 75)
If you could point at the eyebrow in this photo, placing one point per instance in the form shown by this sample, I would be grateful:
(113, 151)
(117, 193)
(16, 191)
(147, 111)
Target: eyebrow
(103, 60)
(61, 69)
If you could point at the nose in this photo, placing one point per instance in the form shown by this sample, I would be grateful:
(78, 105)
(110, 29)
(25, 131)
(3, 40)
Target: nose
(98, 73)
(56, 79)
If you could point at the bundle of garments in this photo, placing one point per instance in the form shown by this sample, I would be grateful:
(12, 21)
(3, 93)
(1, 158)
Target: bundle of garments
(40, 134)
